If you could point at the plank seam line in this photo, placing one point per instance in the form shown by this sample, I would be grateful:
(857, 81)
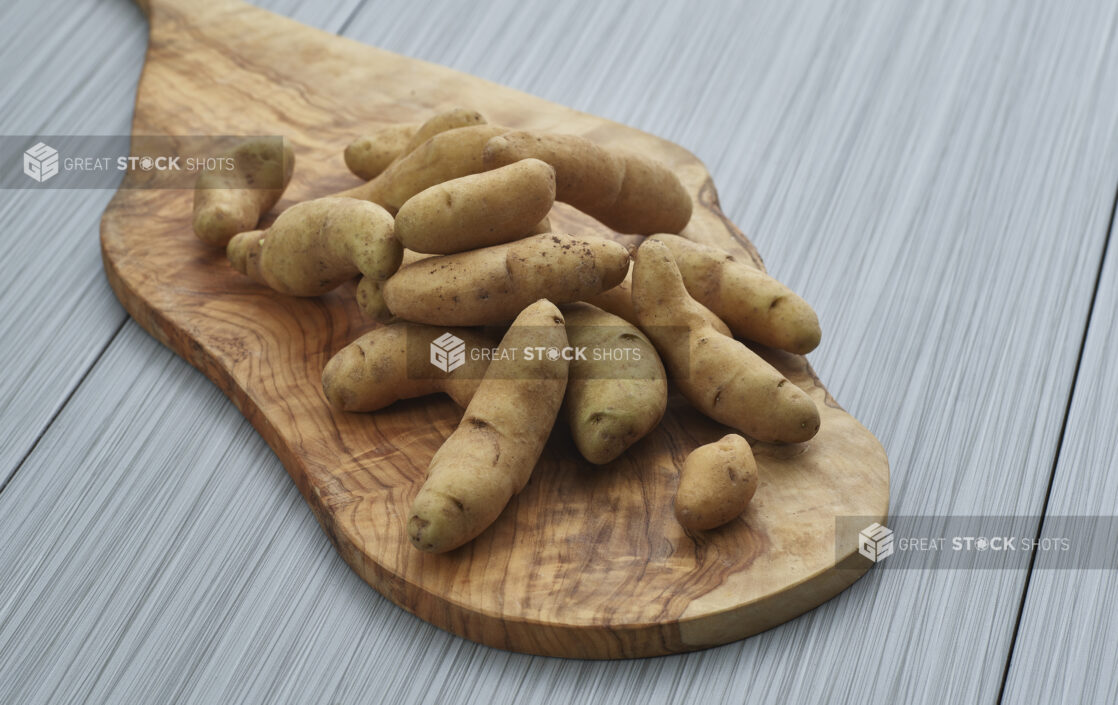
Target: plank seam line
(349, 20)
(65, 402)
(70, 395)
(1059, 447)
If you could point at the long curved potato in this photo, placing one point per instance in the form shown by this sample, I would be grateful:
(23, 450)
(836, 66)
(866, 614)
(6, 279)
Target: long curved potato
(753, 304)
(447, 120)
(491, 455)
(369, 155)
(392, 362)
(493, 284)
(619, 302)
(370, 292)
(478, 210)
(618, 391)
(626, 191)
(720, 376)
(231, 202)
(448, 155)
(316, 245)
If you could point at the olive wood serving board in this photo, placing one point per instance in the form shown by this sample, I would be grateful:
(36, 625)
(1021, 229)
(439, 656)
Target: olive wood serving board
(586, 562)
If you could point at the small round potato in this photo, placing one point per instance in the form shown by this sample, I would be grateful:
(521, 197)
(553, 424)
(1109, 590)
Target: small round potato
(716, 484)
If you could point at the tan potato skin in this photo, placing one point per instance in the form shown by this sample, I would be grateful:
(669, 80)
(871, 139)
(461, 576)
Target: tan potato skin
(316, 245)
(448, 120)
(611, 404)
(587, 175)
(626, 191)
(370, 292)
(619, 302)
(720, 376)
(493, 284)
(652, 199)
(370, 299)
(716, 484)
(369, 155)
(411, 256)
(478, 210)
(754, 305)
(243, 252)
(224, 205)
(372, 372)
(448, 155)
(544, 226)
(490, 456)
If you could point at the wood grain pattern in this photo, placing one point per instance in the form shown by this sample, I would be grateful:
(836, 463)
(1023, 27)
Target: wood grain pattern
(582, 563)
(902, 165)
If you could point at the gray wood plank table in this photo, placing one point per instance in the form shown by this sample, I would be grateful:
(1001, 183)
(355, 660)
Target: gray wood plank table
(937, 178)
(1065, 649)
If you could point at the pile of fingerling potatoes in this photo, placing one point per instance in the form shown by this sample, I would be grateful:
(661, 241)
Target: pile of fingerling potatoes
(450, 231)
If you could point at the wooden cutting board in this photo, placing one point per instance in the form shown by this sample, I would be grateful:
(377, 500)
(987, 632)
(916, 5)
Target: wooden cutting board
(585, 562)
